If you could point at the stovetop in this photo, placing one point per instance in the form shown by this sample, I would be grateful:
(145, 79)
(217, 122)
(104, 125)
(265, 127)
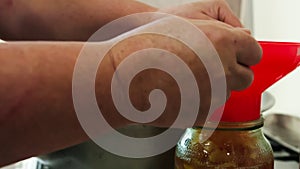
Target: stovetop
(284, 158)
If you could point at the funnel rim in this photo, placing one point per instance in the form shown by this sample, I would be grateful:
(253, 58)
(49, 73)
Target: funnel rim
(280, 43)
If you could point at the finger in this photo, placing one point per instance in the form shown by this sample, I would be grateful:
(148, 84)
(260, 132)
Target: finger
(226, 14)
(249, 51)
(242, 77)
(203, 17)
(246, 30)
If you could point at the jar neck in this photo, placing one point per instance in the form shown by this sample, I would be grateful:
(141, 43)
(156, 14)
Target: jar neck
(235, 126)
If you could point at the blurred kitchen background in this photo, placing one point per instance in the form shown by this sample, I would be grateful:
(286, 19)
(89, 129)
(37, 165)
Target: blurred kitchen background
(275, 20)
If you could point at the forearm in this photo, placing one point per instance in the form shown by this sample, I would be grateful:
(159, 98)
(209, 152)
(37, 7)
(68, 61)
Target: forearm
(61, 20)
(36, 108)
(37, 114)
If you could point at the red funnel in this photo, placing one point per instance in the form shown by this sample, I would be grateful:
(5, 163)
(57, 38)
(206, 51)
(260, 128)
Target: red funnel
(279, 59)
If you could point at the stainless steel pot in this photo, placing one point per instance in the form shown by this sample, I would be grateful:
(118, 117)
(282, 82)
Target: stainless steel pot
(89, 155)
(284, 129)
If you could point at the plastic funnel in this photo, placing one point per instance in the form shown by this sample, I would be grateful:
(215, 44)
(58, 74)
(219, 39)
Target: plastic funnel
(279, 59)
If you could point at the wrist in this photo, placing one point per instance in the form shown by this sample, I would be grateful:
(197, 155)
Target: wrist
(145, 81)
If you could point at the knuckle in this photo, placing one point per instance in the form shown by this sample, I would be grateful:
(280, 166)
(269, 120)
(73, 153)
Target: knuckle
(247, 46)
(245, 80)
(221, 37)
(240, 79)
(230, 78)
(256, 52)
(219, 32)
(248, 80)
(259, 54)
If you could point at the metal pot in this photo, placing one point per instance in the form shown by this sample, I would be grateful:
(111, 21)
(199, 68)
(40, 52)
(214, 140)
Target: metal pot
(89, 155)
(284, 129)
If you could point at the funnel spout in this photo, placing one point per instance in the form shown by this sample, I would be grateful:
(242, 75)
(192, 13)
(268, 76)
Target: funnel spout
(279, 59)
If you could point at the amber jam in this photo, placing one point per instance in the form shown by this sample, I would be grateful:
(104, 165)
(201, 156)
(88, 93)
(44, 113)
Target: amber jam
(231, 145)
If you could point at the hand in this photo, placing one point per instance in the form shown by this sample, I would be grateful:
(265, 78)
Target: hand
(206, 10)
(237, 51)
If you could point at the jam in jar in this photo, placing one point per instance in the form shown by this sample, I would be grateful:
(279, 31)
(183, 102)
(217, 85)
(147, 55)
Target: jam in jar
(230, 145)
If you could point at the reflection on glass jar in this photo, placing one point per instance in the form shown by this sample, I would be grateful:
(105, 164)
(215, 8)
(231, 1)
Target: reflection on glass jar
(232, 145)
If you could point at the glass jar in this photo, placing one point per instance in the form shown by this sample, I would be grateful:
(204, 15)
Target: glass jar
(231, 145)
